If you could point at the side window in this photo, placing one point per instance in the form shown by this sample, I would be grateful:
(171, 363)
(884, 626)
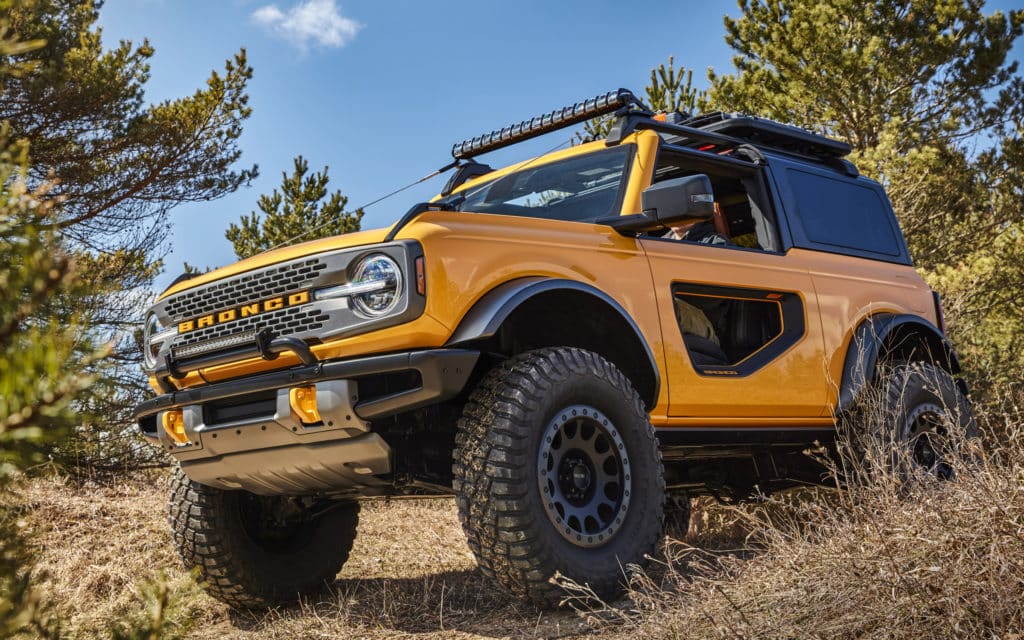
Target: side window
(743, 216)
(843, 214)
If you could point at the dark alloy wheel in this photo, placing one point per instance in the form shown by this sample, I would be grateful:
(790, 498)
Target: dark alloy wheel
(258, 551)
(923, 417)
(928, 439)
(557, 471)
(583, 473)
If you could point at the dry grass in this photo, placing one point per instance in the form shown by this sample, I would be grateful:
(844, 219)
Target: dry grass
(886, 558)
(882, 559)
(410, 573)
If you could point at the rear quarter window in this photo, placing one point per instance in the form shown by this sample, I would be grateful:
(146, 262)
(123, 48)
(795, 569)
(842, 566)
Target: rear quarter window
(843, 214)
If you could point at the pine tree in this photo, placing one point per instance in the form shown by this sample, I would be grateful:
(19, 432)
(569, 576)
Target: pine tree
(116, 166)
(669, 89)
(41, 367)
(672, 89)
(925, 92)
(301, 210)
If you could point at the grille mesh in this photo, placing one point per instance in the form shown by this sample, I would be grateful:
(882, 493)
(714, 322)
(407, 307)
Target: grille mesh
(244, 289)
(283, 322)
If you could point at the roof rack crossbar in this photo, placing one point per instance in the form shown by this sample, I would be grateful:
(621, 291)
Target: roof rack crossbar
(594, 107)
(635, 123)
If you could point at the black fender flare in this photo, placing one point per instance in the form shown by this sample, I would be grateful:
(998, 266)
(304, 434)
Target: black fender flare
(870, 341)
(485, 317)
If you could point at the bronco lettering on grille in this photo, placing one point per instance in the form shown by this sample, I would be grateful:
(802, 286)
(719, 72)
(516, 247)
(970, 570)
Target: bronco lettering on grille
(244, 311)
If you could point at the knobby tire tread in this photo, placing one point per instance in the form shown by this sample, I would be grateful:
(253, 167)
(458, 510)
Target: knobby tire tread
(491, 454)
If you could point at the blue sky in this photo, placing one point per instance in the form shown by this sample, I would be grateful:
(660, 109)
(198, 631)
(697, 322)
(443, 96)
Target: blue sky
(379, 91)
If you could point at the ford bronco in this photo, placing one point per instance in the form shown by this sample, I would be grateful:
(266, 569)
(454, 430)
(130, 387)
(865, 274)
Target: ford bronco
(682, 308)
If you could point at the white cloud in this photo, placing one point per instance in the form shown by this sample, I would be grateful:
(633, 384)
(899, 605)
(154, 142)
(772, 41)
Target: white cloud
(311, 22)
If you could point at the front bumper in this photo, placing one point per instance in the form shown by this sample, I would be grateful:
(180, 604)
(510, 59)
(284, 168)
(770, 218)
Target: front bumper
(243, 434)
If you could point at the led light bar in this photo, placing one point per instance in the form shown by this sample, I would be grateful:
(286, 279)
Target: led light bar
(567, 116)
(216, 344)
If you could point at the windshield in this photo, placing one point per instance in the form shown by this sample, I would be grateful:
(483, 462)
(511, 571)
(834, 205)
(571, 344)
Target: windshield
(581, 189)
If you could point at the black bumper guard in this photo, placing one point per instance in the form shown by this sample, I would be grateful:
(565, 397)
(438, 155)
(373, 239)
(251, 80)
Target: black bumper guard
(443, 374)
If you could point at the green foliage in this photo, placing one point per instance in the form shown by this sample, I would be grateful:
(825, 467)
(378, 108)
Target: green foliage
(115, 166)
(672, 89)
(41, 366)
(933, 70)
(926, 94)
(301, 210)
(46, 357)
(669, 89)
(120, 162)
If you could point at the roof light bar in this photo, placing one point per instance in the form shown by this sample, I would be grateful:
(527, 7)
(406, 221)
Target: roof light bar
(557, 119)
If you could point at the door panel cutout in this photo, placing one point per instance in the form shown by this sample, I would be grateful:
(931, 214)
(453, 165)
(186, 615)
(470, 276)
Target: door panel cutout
(732, 331)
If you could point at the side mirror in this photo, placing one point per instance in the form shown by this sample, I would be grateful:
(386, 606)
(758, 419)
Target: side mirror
(668, 203)
(678, 199)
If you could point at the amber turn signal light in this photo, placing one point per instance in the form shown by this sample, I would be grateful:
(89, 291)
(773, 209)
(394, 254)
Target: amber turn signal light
(174, 424)
(421, 277)
(303, 402)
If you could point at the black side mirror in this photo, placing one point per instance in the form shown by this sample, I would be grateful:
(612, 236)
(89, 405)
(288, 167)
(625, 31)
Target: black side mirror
(668, 203)
(678, 199)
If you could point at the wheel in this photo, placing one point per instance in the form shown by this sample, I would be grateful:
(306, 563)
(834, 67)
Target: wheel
(257, 551)
(921, 419)
(557, 469)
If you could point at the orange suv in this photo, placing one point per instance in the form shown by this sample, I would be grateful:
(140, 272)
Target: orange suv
(563, 344)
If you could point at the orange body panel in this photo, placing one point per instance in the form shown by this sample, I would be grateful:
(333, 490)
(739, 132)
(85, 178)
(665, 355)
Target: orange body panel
(792, 385)
(852, 289)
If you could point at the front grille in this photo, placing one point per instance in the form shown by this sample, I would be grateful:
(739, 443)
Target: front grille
(279, 300)
(246, 288)
(283, 322)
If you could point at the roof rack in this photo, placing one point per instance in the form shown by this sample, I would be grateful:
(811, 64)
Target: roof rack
(769, 133)
(610, 102)
(716, 132)
(712, 132)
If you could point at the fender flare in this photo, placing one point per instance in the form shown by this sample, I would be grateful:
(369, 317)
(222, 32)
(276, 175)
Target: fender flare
(868, 345)
(486, 316)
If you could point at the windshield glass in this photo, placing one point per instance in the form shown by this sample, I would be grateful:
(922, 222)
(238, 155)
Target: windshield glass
(581, 189)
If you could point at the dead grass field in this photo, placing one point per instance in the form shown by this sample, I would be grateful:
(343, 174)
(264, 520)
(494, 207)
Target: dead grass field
(880, 560)
(410, 573)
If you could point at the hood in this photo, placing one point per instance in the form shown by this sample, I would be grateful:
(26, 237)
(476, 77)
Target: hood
(283, 254)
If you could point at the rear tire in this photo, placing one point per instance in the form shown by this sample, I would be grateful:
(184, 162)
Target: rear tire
(921, 419)
(557, 470)
(247, 553)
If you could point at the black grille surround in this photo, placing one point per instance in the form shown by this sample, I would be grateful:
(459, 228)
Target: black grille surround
(313, 322)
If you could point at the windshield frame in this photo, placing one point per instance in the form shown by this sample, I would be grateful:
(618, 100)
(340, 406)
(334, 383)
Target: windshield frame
(454, 202)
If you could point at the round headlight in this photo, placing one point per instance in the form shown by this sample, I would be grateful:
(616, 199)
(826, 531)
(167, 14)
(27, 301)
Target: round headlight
(384, 279)
(151, 347)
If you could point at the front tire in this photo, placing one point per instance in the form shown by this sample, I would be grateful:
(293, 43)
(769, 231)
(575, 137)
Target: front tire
(557, 470)
(256, 551)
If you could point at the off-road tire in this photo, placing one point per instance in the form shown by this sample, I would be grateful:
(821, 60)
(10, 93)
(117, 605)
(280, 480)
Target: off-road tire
(496, 470)
(235, 568)
(918, 414)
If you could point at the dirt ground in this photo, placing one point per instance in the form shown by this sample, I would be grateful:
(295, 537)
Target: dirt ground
(410, 574)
